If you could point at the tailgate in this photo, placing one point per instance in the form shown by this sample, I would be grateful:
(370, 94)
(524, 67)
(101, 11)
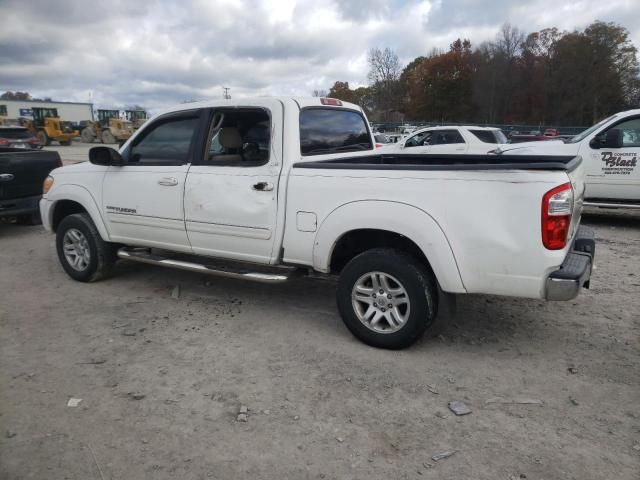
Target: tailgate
(22, 172)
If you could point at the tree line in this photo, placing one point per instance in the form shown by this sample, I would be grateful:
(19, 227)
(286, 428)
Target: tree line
(548, 77)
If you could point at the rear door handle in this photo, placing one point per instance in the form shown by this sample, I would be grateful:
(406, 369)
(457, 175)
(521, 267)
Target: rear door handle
(168, 181)
(263, 186)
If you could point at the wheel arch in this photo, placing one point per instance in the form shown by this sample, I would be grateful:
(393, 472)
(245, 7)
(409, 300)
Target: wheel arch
(378, 223)
(70, 199)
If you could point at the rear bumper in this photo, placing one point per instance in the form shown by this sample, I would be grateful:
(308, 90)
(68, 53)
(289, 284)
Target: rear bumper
(575, 272)
(19, 206)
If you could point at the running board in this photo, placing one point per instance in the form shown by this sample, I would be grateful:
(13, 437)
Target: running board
(238, 270)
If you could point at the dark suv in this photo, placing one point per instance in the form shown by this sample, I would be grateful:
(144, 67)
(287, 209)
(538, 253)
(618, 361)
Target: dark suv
(18, 137)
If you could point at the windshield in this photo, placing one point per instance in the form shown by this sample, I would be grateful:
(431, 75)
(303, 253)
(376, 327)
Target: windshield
(589, 131)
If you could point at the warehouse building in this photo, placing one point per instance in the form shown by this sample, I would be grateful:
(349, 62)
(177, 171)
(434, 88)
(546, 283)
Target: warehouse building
(70, 111)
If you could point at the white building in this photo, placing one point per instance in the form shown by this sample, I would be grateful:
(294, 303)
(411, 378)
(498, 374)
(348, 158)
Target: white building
(69, 111)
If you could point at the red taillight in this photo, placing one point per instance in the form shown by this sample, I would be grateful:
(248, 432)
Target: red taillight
(331, 101)
(378, 145)
(4, 141)
(34, 141)
(557, 206)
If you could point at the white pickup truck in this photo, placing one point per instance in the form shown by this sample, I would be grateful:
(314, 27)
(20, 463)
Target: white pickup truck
(610, 150)
(263, 188)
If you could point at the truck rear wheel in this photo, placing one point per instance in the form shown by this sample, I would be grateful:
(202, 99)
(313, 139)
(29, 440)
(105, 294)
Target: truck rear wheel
(81, 251)
(386, 298)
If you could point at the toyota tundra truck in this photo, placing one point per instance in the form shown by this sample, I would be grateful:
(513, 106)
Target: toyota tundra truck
(267, 189)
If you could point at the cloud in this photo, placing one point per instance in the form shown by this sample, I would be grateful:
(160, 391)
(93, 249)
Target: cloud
(161, 52)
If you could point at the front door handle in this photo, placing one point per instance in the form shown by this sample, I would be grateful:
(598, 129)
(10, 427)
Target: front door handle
(263, 186)
(168, 181)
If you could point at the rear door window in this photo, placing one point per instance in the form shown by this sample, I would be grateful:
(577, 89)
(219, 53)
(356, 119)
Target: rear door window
(330, 130)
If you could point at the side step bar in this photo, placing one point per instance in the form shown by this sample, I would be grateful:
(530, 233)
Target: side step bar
(224, 269)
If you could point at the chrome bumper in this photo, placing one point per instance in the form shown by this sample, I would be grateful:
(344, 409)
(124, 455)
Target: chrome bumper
(575, 272)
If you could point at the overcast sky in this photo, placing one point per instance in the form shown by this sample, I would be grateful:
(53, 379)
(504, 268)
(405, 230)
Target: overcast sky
(158, 53)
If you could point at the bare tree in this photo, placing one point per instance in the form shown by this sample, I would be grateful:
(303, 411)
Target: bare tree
(384, 65)
(384, 75)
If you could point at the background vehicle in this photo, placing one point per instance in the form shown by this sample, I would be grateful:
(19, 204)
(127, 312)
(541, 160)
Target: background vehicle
(264, 188)
(450, 139)
(136, 117)
(109, 128)
(610, 151)
(381, 139)
(21, 175)
(47, 126)
(17, 137)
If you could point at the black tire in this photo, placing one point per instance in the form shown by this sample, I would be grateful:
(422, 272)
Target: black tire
(411, 275)
(65, 143)
(102, 255)
(43, 138)
(29, 219)
(107, 137)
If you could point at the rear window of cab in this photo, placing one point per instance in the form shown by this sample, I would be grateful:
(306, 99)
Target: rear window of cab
(333, 130)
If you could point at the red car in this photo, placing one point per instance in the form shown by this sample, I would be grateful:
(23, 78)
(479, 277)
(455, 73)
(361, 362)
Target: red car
(18, 137)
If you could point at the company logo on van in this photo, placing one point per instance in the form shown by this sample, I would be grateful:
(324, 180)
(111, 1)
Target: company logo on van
(619, 163)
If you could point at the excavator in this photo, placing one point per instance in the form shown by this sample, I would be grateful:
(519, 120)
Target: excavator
(47, 126)
(109, 128)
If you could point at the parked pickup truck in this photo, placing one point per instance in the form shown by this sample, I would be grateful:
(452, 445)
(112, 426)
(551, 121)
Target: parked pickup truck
(610, 151)
(21, 175)
(266, 188)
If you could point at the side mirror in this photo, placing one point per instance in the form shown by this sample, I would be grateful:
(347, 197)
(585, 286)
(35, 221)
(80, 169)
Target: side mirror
(105, 156)
(611, 139)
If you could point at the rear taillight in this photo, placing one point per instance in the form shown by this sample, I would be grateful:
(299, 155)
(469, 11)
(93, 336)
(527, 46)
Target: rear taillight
(557, 206)
(34, 141)
(331, 101)
(378, 145)
(4, 141)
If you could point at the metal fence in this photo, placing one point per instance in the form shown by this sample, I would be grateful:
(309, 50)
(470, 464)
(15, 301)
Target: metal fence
(507, 129)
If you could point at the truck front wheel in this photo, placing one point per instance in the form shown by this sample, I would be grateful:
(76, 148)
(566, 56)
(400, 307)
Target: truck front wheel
(386, 298)
(81, 251)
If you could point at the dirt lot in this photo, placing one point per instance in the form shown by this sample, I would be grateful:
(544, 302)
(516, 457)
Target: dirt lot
(162, 379)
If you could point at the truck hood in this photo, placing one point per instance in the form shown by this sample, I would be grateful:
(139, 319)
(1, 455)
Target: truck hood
(546, 147)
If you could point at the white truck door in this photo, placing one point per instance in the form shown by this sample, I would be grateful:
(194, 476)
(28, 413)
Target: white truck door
(231, 195)
(142, 201)
(614, 173)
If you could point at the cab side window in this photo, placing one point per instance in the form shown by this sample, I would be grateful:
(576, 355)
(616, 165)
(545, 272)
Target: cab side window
(239, 138)
(630, 132)
(166, 142)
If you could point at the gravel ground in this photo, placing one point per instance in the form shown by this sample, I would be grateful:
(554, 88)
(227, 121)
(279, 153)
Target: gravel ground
(163, 373)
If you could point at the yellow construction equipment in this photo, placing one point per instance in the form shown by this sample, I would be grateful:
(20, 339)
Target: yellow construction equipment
(47, 126)
(109, 128)
(136, 117)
